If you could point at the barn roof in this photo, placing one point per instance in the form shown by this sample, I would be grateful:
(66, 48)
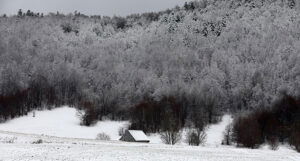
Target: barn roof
(138, 135)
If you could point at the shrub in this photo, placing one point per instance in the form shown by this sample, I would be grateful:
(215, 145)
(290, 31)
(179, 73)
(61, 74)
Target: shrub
(195, 137)
(170, 133)
(39, 141)
(170, 137)
(9, 140)
(89, 117)
(102, 136)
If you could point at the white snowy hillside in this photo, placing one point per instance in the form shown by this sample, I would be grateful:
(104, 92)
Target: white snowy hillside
(61, 122)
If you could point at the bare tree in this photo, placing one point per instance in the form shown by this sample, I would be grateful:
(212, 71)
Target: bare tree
(170, 136)
(171, 133)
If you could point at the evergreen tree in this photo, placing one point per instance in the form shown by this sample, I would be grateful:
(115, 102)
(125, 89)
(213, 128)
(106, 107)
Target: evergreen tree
(20, 13)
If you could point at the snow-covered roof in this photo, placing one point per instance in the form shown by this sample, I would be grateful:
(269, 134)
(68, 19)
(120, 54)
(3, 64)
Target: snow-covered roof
(138, 135)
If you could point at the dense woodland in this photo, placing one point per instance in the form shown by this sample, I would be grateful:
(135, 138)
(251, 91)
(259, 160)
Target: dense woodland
(188, 65)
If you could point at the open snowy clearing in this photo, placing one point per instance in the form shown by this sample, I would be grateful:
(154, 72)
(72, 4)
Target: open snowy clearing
(61, 122)
(64, 139)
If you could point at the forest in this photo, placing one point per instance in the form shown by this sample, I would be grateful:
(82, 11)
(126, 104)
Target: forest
(189, 64)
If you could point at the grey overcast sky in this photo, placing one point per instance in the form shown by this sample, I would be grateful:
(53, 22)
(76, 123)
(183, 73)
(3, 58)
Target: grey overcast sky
(89, 7)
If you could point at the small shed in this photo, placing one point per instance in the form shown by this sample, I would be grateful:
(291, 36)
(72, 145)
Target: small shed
(135, 136)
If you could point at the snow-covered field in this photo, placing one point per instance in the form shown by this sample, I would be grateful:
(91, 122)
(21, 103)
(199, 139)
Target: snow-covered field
(66, 149)
(61, 122)
(64, 139)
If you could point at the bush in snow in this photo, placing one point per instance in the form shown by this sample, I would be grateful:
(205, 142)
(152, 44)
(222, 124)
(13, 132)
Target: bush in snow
(196, 137)
(9, 140)
(89, 117)
(39, 141)
(102, 136)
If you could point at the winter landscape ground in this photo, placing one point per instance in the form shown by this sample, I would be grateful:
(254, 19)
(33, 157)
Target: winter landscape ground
(64, 139)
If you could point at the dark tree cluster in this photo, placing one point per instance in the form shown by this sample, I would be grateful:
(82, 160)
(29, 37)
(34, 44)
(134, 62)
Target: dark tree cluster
(68, 28)
(171, 113)
(40, 94)
(29, 13)
(120, 22)
(189, 6)
(152, 116)
(279, 124)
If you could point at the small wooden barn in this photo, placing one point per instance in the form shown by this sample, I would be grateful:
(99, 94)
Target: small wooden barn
(135, 136)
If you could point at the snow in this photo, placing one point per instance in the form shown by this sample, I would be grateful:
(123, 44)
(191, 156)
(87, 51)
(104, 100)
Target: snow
(155, 138)
(138, 135)
(61, 122)
(68, 149)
